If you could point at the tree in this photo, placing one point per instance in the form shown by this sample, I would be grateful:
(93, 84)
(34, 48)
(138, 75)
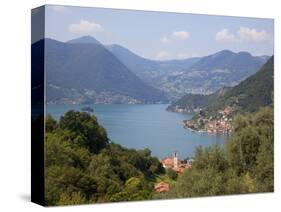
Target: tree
(82, 167)
(210, 157)
(72, 199)
(85, 130)
(264, 170)
(172, 174)
(243, 148)
(195, 182)
(50, 123)
(251, 133)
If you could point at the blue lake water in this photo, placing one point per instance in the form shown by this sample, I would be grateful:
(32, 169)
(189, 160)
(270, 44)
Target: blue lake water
(146, 126)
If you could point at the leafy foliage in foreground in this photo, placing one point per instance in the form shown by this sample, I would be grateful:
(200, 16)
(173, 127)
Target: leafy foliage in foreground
(245, 165)
(83, 167)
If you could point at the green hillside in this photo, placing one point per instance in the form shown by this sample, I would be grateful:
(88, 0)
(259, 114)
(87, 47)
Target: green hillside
(192, 102)
(251, 94)
(248, 96)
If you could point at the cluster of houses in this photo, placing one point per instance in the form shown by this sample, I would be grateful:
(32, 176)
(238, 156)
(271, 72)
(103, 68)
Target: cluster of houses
(220, 125)
(172, 162)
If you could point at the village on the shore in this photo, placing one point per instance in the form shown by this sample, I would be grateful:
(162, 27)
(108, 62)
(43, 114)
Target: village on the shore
(220, 124)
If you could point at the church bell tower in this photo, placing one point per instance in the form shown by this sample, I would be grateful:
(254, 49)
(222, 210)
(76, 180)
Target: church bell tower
(175, 160)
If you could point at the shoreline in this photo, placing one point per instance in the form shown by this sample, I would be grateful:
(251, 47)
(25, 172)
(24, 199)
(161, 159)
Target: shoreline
(185, 126)
(204, 131)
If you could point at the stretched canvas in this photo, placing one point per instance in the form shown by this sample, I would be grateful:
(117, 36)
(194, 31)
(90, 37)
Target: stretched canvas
(134, 105)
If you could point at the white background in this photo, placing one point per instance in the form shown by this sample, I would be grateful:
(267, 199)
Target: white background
(15, 104)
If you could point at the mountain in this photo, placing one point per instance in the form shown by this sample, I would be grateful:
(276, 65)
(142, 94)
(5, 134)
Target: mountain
(248, 96)
(149, 70)
(198, 75)
(251, 94)
(78, 72)
(210, 73)
(195, 75)
(84, 39)
(196, 102)
(143, 68)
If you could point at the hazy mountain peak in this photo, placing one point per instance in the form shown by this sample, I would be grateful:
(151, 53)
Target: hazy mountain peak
(244, 54)
(224, 52)
(84, 39)
(91, 73)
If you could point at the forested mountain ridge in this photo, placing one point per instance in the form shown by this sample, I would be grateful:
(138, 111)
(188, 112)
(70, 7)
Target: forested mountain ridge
(254, 92)
(147, 69)
(83, 70)
(88, 72)
(201, 75)
(216, 111)
(210, 73)
(195, 102)
(251, 94)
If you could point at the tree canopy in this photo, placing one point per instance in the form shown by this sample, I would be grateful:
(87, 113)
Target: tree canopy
(243, 165)
(82, 166)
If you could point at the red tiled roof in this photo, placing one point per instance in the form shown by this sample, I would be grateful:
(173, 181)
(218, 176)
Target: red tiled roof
(162, 187)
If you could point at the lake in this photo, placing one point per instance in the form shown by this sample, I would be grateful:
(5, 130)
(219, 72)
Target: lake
(146, 126)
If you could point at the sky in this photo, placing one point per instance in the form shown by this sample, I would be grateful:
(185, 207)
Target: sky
(161, 35)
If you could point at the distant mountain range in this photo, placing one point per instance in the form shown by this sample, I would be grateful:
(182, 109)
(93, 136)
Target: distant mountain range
(193, 75)
(210, 73)
(146, 69)
(150, 70)
(85, 70)
(80, 72)
(248, 96)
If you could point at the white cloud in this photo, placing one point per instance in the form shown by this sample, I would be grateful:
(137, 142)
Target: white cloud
(225, 35)
(242, 35)
(180, 35)
(58, 8)
(164, 39)
(162, 55)
(85, 26)
(177, 35)
(248, 34)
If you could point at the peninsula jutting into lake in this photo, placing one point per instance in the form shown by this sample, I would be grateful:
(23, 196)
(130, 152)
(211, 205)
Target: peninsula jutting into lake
(138, 112)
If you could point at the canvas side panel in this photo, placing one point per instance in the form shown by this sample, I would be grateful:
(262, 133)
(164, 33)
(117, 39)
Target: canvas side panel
(37, 105)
